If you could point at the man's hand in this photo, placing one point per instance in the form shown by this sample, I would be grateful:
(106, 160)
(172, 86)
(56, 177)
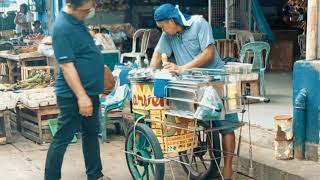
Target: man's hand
(85, 106)
(71, 76)
(173, 68)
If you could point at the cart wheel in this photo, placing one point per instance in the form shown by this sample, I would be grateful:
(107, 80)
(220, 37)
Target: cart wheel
(147, 146)
(206, 157)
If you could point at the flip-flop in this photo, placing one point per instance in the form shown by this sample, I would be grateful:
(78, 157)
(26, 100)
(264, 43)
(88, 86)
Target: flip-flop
(104, 178)
(225, 178)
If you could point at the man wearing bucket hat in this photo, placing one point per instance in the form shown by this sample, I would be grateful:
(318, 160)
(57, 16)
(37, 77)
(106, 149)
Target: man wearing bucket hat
(190, 40)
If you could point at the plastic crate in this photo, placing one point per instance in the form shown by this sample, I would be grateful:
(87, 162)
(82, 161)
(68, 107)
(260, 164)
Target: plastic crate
(53, 124)
(179, 143)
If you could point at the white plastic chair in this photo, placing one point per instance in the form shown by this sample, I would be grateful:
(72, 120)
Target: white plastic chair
(243, 37)
(143, 35)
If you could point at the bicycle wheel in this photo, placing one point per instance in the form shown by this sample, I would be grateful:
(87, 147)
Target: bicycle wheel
(206, 157)
(146, 146)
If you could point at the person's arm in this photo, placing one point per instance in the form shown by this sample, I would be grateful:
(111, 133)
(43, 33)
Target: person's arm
(71, 76)
(207, 46)
(202, 59)
(163, 47)
(156, 60)
(16, 19)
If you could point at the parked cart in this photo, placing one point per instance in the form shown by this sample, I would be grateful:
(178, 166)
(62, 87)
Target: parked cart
(175, 123)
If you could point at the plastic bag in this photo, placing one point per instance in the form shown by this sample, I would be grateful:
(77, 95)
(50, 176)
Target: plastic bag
(209, 100)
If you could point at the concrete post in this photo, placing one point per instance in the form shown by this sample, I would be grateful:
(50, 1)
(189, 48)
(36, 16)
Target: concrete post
(210, 12)
(227, 18)
(306, 75)
(318, 30)
(313, 30)
(49, 15)
(299, 124)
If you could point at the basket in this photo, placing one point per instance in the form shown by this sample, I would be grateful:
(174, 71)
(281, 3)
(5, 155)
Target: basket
(178, 143)
(173, 140)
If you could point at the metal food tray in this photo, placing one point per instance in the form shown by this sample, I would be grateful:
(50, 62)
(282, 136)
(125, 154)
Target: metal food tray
(183, 94)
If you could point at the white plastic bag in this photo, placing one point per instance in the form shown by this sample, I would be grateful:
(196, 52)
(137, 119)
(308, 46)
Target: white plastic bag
(209, 101)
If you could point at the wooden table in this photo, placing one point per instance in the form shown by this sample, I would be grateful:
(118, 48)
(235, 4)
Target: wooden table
(13, 61)
(5, 131)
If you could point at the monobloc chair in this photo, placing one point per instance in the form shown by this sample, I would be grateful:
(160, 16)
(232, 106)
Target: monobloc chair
(260, 60)
(143, 35)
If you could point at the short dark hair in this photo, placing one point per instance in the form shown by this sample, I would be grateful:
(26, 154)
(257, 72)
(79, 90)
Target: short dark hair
(77, 3)
(25, 7)
(36, 23)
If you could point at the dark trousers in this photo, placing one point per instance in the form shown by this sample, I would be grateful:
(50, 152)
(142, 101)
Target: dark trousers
(69, 123)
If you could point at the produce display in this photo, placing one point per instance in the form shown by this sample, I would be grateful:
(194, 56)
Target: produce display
(37, 79)
(34, 37)
(6, 101)
(20, 50)
(47, 40)
(111, 5)
(38, 97)
(106, 41)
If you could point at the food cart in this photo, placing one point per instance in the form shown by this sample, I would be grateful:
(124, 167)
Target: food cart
(175, 123)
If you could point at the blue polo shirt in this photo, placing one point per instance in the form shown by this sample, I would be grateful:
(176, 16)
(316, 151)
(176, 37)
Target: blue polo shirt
(190, 43)
(72, 42)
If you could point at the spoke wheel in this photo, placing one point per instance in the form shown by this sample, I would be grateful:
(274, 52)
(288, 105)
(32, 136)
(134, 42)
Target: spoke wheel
(206, 157)
(147, 146)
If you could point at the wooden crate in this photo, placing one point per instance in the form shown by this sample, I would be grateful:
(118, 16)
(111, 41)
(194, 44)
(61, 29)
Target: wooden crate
(282, 56)
(227, 48)
(26, 70)
(5, 128)
(14, 121)
(254, 89)
(34, 123)
(7, 33)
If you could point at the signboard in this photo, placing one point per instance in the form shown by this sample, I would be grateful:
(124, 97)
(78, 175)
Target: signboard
(143, 98)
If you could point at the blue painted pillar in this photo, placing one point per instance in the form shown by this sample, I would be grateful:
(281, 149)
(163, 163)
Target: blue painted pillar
(306, 75)
(299, 124)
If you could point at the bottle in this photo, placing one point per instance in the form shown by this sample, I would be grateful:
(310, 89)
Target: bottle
(164, 58)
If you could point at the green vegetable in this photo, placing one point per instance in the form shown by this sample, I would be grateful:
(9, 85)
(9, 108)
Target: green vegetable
(36, 79)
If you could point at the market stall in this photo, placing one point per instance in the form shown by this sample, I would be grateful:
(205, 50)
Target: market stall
(7, 104)
(30, 112)
(22, 60)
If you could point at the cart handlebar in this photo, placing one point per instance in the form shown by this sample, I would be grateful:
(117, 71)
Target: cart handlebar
(261, 99)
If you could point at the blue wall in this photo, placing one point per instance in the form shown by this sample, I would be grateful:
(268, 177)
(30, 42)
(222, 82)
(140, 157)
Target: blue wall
(306, 74)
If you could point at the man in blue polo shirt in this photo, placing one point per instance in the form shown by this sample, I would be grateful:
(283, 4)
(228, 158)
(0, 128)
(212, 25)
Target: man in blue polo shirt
(190, 40)
(78, 85)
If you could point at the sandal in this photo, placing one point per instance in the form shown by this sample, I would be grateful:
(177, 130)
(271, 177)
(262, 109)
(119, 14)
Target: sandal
(225, 178)
(104, 178)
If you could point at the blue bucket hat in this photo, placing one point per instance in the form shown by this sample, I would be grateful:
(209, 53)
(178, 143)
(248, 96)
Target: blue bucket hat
(169, 11)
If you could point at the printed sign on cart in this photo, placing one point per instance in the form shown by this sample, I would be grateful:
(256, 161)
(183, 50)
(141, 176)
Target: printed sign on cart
(143, 98)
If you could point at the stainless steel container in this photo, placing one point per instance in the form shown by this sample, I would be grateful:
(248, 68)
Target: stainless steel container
(183, 94)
